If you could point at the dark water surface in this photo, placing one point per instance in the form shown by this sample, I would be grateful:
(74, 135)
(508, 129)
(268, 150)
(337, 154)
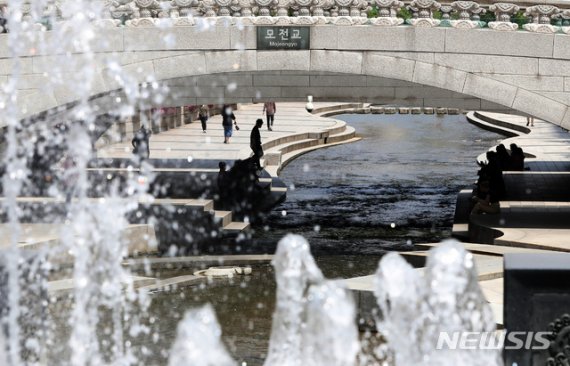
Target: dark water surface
(395, 187)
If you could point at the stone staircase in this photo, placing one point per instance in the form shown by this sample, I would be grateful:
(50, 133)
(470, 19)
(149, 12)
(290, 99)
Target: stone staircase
(279, 152)
(43, 218)
(507, 129)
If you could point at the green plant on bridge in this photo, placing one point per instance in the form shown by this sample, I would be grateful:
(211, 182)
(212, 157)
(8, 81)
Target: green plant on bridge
(402, 13)
(519, 18)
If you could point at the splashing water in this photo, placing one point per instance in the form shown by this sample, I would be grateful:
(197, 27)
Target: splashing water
(198, 341)
(416, 309)
(295, 269)
(91, 229)
(331, 336)
(314, 320)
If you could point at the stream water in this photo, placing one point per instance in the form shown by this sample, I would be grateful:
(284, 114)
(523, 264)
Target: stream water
(394, 188)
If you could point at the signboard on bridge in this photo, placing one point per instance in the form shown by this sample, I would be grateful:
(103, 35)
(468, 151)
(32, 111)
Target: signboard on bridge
(283, 38)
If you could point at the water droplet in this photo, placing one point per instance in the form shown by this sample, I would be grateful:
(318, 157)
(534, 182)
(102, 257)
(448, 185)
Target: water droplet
(283, 213)
(392, 225)
(190, 159)
(317, 228)
(306, 168)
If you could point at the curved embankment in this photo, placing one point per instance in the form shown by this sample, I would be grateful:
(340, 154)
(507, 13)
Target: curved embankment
(535, 211)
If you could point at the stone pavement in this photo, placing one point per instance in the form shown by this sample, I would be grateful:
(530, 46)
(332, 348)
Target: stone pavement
(189, 142)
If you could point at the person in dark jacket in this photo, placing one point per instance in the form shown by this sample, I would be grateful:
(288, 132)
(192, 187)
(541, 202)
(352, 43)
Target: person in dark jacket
(141, 143)
(227, 117)
(255, 143)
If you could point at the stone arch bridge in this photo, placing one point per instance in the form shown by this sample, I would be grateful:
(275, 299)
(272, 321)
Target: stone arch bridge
(420, 64)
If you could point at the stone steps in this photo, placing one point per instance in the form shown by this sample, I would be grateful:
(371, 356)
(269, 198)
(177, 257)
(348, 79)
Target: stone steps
(495, 122)
(488, 249)
(503, 130)
(280, 155)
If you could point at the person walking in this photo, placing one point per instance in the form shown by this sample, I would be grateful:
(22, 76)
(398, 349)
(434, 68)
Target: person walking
(269, 109)
(141, 143)
(227, 118)
(204, 114)
(255, 143)
(530, 121)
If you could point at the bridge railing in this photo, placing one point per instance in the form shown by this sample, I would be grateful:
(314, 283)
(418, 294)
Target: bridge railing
(551, 17)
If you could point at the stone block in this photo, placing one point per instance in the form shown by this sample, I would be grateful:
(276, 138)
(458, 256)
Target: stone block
(408, 39)
(536, 299)
(224, 80)
(468, 104)
(199, 92)
(534, 83)
(131, 57)
(490, 42)
(324, 37)
(561, 46)
(490, 106)
(390, 110)
(26, 66)
(253, 92)
(489, 63)
(549, 67)
(283, 60)
(380, 81)
(272, 158)
(336, 61)
(453, 111)
(561, 97)
(404, 110)
(567, 84)
(230, 61)
(376, 110)
(280, 80)
(418, 91)
(355, 93)
(189, 81)
(338, 80)
(539, 106)
(243, 38)
(441, 110)
(33, 81)
(416, 110)
(388, 67)
(428, 57)
(138, 71)
(175, 100)
(177, 38)
(439, 76)
(186, 65)
(428, 110)
(489, 89)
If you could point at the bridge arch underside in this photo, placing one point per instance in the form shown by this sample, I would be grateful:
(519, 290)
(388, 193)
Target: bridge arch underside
(423, 79)
(295, 86)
